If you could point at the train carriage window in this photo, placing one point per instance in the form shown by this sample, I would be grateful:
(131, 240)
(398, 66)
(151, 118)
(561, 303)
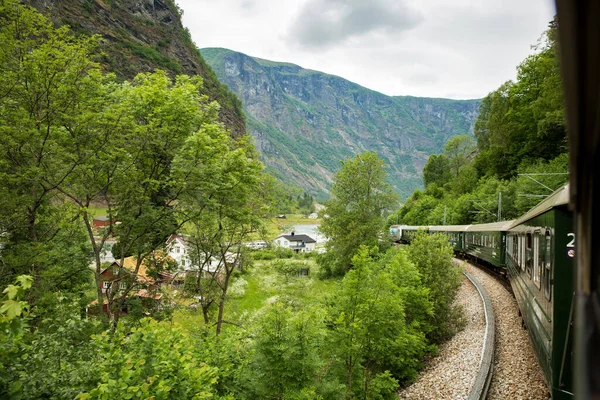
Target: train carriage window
(521, 254)
(548, 265)
(537, 243)
(529, 254)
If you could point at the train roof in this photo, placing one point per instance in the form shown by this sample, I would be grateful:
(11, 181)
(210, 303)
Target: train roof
(490, 227)
(559, 198)
(448, 228)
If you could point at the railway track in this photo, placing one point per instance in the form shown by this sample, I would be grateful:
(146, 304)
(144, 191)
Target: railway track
(516, 372)
(502, 366)
(451, 374)
(480, 387)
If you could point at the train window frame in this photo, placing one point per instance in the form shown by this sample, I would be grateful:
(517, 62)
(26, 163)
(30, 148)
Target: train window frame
(548, 267)
(536, 255)
(529, 254)
(522, 252)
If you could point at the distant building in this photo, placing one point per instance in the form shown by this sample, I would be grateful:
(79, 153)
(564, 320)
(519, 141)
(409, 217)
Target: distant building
(319, 207)
(101, 221)
(298, 243)
(179, 249)
(124, 275)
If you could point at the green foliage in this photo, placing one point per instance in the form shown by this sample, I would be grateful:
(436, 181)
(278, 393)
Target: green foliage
(370, 333)
(13, 308)
(12, 315)
(457, 151)
(44, 79)
(355, 214)
(56, 356)
(520, 130)
(432, 256)
(272, 254)
(289, 268)
(524, 120)
(306, 203)
(286, 362)
(437, 170)
(154, 359)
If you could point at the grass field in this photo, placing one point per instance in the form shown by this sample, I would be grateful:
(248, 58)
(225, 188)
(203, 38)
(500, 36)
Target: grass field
(97, 211)
(262, 284)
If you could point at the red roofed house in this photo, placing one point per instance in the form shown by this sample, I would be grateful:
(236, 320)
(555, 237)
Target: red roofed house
(145, 287)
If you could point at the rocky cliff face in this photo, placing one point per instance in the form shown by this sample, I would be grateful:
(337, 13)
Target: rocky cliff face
(304, 122)
(141, 36)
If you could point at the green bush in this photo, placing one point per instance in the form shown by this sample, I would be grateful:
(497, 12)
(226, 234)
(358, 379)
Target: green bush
(433, 257)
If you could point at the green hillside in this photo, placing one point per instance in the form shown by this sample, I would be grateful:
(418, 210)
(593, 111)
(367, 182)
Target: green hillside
(304, 122)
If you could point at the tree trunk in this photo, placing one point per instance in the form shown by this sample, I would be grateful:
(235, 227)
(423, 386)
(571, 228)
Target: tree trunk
(222, 299)
(97, 260)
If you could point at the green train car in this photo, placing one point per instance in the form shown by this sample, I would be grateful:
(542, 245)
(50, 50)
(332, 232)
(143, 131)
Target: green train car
(540, 259)
(537, 253)
(406, 233)
(481, 242)
(487, 243)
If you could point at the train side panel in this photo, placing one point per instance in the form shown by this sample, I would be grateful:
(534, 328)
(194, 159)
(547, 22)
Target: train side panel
(486, 246)
(541, 277)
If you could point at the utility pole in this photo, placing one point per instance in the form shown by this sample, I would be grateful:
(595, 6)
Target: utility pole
(499, 206)
(444, 214)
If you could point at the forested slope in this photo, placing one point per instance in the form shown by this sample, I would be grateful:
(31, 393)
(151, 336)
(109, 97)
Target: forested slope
(519, 155)
(141, 36)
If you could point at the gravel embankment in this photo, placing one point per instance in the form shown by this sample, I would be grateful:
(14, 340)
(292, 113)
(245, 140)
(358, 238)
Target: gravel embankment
(452, 373)
(517, 374)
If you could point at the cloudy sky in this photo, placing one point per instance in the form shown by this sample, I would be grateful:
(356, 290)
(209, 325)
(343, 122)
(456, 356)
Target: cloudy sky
(458, 49)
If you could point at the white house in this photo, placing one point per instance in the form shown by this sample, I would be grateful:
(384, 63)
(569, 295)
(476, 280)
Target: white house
(179, 250)
(298, 243)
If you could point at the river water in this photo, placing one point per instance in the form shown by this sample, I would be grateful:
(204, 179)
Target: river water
(311, 230)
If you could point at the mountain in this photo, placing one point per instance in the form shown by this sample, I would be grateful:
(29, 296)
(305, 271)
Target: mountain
(304, 122)
(141, 36)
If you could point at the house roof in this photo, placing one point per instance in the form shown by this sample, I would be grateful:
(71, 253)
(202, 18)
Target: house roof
(298, 238)
(175, 237)
(101, 218)
(129, 264)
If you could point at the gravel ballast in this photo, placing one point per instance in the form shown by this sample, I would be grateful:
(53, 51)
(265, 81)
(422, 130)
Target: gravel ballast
(452, 373)
(517, 374)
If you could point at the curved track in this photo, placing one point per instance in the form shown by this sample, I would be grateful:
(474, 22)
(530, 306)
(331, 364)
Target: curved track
(480, 388)
(517, 374)
(451, 374)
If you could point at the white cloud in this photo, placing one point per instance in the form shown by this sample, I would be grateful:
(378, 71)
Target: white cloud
(435, 48)
(327, 23)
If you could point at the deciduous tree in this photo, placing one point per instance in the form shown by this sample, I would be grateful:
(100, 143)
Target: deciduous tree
(355, 214)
